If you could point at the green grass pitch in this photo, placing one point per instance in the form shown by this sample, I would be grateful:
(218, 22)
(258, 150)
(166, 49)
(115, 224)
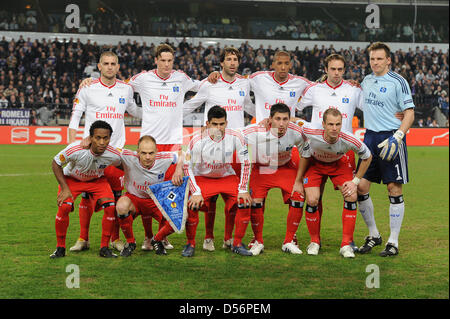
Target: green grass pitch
(27, 238)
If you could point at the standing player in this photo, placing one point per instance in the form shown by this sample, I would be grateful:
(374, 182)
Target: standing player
(145, 167)
(272, 152)
(84, 173)
(209, 157)
(278, 86)
(328, 146)
(107, 98)
(385, 93)
(231, 92)
(336, 93)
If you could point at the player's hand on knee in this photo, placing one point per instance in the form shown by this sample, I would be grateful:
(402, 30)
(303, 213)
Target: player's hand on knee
(349, 188)
(245, 199)
(195, 202)
(298, 188)
(63, 195)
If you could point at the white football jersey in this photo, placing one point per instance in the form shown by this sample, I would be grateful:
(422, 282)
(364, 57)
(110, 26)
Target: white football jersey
(270, 150)
(326, 152)
(162, 103)
(138, 178)
(233, 96)
(107, 103)
(84, 165)
(269, 91)
(321, 96)
(209, 158)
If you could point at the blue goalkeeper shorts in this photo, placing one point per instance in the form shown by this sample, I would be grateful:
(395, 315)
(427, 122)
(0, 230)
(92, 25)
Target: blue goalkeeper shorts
(379, 170)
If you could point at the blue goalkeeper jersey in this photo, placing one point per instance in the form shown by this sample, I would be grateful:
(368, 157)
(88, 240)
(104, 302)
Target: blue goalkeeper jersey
(383, 97)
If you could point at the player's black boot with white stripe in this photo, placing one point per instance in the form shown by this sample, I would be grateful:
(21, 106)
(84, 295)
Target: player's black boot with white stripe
(107, 253)
(128, 249)
(59, 252)
(369, 244)
(158, 246)
(389, 250)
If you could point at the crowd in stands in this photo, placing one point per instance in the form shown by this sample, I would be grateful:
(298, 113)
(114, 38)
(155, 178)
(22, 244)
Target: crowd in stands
(317, 29)
(102, 21)
(47, 73)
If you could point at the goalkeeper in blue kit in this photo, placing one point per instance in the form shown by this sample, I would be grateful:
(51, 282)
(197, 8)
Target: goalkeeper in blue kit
(385, 93)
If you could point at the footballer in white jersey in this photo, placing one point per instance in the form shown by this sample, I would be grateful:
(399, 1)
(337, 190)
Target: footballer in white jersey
(232, 92)
(275, 167)
(210, 157)
(269, 91)
(269, 149)
(233, 96)
(345, 97)
(83, 165)
(209, 166)
(138, 177)
(143, 168)
(327, 152)
(162, 103)
(84, 173)
(108, 103)
(327, 145)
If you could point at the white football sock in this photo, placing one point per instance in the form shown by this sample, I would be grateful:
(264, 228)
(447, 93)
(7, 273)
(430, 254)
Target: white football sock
(396, 213)
(366, 210)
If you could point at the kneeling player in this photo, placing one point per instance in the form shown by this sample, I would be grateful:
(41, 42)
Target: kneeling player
(143, 168)
(328, 145)
(84, 173)
(272, 149)
(209, 167)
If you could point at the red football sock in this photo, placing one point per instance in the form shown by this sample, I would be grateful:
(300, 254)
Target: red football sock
(107, 224)
(348, 222)
(210, 217)
(147, 223)
(241, 222)
(126, 224)
(191, 226)
(313, 222)
(230, 216)
(62, 223)
(165, 231)
(320, 210)
(257, 219)
(116, 228)
(293, 220)
(86, 209)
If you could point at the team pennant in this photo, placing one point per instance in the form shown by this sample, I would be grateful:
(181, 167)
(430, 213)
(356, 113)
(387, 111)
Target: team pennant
(171, 201)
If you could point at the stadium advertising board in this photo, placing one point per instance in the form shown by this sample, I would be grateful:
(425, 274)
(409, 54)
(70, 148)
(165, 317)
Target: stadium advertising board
(15, 117)
(59, 135)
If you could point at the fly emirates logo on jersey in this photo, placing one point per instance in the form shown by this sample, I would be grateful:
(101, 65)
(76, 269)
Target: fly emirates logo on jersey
(110, 113)
(344, 115)
(140, 186)
(267, 105)
(232, 105)
(163, 101)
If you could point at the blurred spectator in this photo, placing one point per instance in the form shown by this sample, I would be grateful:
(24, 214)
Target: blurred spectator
(44, 115)
(3, 101)
(443, 103)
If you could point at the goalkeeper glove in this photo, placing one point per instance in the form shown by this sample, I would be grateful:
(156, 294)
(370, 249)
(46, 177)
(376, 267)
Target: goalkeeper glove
(389, 147)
